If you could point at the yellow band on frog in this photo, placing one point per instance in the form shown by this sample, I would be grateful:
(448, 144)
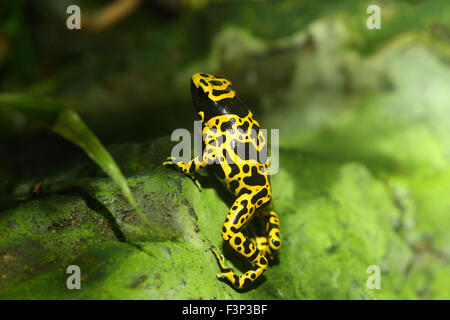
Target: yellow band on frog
(217, 88)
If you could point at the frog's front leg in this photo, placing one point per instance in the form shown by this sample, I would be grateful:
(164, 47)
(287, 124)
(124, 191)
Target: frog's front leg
(188, 168)
(263, 245)
(240, 213)
(273, 230)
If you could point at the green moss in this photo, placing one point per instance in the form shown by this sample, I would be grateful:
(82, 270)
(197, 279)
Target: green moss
(336, 221)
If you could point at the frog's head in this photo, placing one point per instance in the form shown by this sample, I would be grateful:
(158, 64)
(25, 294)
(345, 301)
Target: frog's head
(213, 96)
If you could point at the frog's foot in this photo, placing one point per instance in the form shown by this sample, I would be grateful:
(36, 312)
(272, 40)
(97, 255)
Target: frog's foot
(225, 272)
(196, 182)
(172, 161)
(242, 281)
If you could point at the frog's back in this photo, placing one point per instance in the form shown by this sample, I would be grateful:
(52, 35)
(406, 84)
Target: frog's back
(239, 151)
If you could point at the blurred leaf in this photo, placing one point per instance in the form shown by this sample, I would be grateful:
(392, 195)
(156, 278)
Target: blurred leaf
(68, 124)
(15, 27)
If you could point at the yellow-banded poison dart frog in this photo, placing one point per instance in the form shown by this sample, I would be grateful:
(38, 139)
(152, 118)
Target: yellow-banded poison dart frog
(228, 126)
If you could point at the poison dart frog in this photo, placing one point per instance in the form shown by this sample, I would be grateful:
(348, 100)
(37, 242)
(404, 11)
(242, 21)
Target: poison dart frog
(227, 125)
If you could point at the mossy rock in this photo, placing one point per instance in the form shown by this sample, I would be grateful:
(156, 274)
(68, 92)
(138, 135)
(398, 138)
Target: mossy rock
(336, 221)
(363, 180)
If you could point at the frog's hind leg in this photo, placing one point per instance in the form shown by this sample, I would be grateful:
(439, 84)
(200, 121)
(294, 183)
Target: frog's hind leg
(269, 241)
(241, 213)
(272, 228)
(257, 231)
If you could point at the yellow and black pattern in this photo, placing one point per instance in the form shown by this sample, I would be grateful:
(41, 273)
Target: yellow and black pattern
(217, 88)
(232, 145)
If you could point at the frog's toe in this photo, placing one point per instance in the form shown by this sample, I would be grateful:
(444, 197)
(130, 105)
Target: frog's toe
(226, 272)
(197, 183)
(169, 161)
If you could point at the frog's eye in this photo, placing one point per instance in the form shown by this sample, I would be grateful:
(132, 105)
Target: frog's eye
(218, 92)
(204, 83)
(215, 83)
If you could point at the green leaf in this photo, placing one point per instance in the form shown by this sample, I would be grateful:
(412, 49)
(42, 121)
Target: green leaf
(68, 124)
